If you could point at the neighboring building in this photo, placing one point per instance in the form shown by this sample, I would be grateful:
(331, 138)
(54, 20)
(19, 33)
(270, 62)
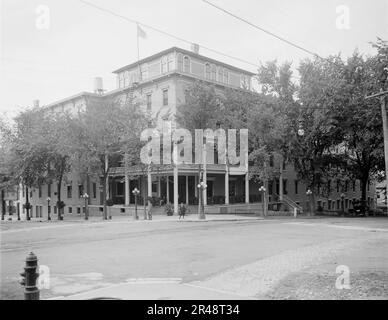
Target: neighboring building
(158, 82)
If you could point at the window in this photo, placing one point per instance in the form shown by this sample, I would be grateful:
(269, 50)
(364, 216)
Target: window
(165, 97)
(354, 185)
(55, 209)
(143, 72)
(338, 185)
(285, 186)
(49, 190)
(70, 209)
(170, 62)
(80, 190)
(207, 71)
(180, 61)
(69, 192)
(40, 191)
(94, 190)
(296, 182)
(149, 102)
(214, 72)
(126, 79)
(121, 80)
(164, 64)
(220, 75)
(186, 64)
(226, 76)
(78, 210)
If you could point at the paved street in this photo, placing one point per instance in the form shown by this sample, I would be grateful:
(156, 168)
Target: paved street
(278, 258)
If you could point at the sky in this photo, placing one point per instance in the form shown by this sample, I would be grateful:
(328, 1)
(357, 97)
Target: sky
(52, 49)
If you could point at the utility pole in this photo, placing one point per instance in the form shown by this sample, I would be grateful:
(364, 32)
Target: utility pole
(382, 95)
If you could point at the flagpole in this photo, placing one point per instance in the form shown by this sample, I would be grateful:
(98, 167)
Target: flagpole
(138, 49)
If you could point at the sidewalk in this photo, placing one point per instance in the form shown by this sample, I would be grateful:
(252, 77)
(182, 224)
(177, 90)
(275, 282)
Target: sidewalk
(35, 223)
(154, 290)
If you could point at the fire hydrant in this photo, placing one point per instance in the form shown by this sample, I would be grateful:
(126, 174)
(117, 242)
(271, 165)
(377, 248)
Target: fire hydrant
(29, 278)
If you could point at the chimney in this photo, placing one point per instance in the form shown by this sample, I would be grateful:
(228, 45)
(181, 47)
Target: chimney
(195, 48)
(36, 103)
(98, 86)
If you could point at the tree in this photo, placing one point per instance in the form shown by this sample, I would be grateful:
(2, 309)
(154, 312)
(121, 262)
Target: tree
(27, 152)
(105, 131)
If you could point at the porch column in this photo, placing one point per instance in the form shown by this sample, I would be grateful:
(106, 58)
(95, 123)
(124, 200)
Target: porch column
(159, 187)
(126, 190)
(107, 178)
(227, 185)
(281, 186)
(187, 190)
(149, 179)
(195, 184)
(204, 175)
(175, 189)
(168, 189)
(247, 187)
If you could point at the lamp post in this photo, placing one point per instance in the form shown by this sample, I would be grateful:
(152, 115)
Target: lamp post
(263, 191)
(85, 196)
(342, 204)
(309, 194)
(136, 193)
(201, 187)
(48, 208)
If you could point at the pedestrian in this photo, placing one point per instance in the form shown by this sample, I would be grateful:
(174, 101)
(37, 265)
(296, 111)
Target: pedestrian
(182, 211)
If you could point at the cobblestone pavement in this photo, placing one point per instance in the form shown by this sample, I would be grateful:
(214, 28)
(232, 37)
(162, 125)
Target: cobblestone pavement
(310, 272)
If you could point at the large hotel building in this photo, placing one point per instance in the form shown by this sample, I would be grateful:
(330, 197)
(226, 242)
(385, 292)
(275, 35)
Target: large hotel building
(159, 82)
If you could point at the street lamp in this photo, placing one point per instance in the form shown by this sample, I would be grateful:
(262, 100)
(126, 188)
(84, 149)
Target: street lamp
(136, 193)
(48, 208)
(201, 186)
(309, 195)
(85, 196)
(264, 200)
(342, 203)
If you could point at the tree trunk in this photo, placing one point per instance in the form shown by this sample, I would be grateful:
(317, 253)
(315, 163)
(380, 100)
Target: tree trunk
(27, 209)
(364, 183)
(312, 204)
(59, 188)
(105, 213)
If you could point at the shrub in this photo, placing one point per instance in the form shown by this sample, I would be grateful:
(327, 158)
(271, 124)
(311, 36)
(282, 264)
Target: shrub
(27, 206)
(169, 209)
(60, 204)
(109, 202)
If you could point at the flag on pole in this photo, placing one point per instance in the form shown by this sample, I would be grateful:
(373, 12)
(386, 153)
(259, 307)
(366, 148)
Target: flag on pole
(141, 33)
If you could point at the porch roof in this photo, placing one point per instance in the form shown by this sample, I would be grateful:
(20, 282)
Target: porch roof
(169, 169)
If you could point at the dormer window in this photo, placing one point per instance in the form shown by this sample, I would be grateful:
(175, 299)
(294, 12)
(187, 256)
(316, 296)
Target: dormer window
(226, 76)
(170, 62)
(220, 75)
(214, 73)
(180, 61)
(164, 64)
(207, 71)
(186, 64)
